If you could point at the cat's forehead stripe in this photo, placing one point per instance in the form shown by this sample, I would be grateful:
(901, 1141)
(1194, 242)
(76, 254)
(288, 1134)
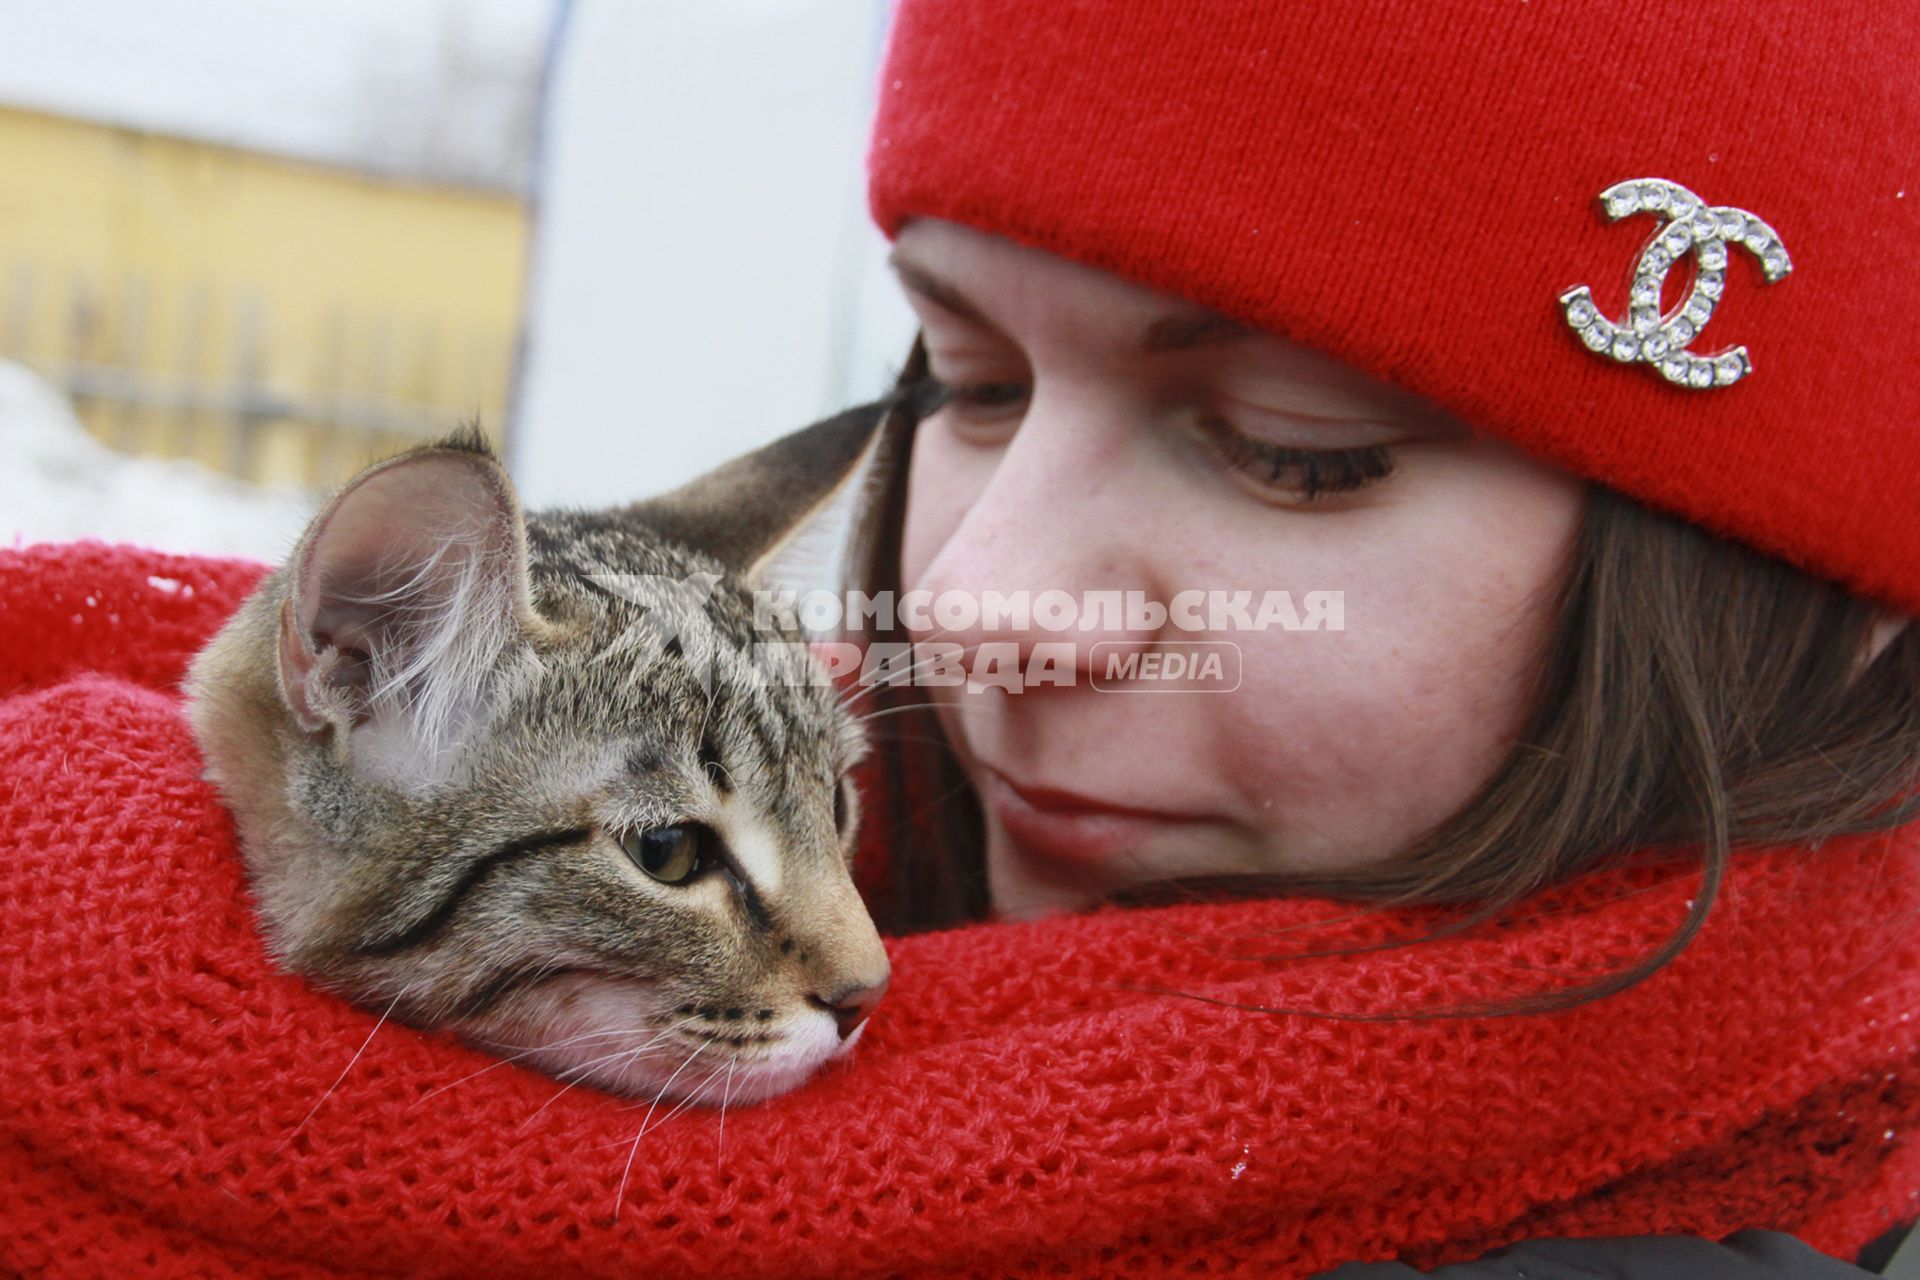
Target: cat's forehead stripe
(754, 847)
(763, 720)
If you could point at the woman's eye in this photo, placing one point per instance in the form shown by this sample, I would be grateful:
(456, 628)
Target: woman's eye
(974, 399)
(671, 855)
(1299, 474)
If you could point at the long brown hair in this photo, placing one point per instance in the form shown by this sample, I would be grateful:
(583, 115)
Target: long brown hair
(1695, 697)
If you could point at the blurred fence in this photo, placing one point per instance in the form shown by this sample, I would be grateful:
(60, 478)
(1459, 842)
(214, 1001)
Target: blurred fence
(278, 320)
(206, 373)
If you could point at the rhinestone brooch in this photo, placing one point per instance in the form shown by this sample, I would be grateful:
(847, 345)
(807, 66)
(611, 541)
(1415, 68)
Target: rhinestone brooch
(1690, 226)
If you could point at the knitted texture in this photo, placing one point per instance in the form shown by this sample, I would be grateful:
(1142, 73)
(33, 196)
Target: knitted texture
(1029, 1101)
(1410, 185)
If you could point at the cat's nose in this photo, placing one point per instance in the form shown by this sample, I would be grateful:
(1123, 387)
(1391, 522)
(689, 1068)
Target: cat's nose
(850, 1005)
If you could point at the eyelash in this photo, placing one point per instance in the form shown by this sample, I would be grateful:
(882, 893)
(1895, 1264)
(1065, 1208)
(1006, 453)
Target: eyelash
(1313, 471)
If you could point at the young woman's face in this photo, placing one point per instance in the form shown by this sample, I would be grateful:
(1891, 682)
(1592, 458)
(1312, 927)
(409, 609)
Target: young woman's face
(1107, 438)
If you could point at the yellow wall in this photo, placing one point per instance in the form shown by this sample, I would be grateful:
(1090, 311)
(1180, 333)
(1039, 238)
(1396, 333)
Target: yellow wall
(127, 249)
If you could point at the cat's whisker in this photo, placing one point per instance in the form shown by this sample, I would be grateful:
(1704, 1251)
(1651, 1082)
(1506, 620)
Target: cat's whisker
(920, 738)
(528, 1050)
(929, 637)
(668, 1030)
(437, 1090)
(578, 1072)
(630, 1051)
(604, 1034)
(720, 1154)
(895, 678)
(903, 678)
(391, 1006)
(922, 662)
(620, 1195)
(694, 1097)
(691, 1100)
(661, 1093)
(628, 1058)
(884, 712)
(976, 708)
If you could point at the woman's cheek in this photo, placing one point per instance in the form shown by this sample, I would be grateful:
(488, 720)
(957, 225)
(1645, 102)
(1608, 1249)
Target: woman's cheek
(1342, 748)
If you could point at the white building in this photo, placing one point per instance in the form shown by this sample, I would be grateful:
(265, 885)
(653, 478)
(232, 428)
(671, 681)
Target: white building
(705, 276)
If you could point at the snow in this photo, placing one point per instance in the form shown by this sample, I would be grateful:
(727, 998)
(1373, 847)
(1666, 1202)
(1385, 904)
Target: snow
(57, 483)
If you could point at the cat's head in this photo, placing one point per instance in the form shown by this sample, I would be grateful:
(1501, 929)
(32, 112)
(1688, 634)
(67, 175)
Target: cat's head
(541, 780)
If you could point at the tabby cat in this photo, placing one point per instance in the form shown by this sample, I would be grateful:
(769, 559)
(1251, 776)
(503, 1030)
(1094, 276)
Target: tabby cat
(482, 784)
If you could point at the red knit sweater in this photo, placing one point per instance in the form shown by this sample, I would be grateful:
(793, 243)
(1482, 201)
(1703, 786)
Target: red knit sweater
(170, 1105)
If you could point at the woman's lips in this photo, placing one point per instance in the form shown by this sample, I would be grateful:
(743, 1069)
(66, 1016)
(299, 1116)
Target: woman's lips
(1071, 832)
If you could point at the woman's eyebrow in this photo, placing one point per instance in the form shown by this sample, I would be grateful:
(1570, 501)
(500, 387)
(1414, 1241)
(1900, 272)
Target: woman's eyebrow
(1176, 331)
(935, 290)
(1185, 330)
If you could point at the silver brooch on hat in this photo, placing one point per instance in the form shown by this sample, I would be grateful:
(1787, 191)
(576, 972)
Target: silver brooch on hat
(1691, 226)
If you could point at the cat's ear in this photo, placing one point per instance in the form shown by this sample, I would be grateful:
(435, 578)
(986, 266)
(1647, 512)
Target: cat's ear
(749, 512)
(402, 595)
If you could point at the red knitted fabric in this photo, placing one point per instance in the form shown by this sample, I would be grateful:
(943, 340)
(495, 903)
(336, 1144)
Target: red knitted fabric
(1026, 1102)
(1411, 184)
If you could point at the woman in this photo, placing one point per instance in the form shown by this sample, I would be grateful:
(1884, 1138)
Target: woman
(1562, 788)
(1217, 298)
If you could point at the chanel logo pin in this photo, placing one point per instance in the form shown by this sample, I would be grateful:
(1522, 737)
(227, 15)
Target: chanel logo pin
(1691, 226)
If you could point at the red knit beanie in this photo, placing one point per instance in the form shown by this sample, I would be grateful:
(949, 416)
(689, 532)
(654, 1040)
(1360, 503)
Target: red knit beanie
(1419, 187)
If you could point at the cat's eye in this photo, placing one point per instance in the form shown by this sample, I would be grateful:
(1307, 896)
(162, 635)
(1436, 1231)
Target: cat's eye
(671, 855)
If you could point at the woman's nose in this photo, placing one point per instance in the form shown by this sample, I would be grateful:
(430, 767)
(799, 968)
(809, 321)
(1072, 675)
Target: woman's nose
(1060, 546)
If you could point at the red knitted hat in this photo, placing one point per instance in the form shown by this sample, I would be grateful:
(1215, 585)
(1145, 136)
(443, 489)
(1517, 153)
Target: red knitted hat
(1418, 187)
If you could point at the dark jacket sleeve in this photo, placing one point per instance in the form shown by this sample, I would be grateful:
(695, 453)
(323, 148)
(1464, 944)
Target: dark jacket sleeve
(1744, 1255)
